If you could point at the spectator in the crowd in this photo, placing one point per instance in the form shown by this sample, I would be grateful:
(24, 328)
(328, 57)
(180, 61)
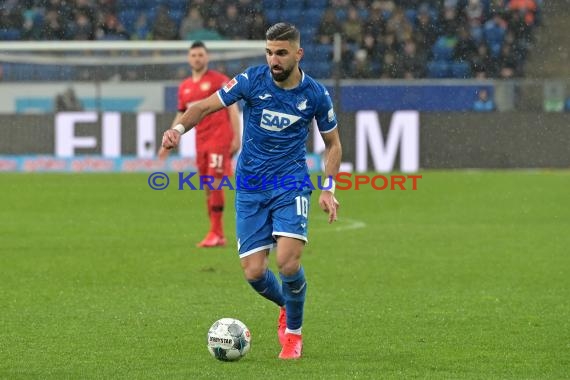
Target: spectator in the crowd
(82, 28)
(483, 64)
(390, 68)
(111, 29)
(251, 12)
(361, 65)
(517, 25)
(346, 60)
(375, 24)
(426, 31)
(67, 101)
(32, 26)
(389, 44)
(410, 63)
(373, 51)
(257, 27)
(483, 102)
(527, 8)
(449, 21)
(466, 48)
(328, 26)
(352, 27)
(230, 25)
(508, 63)
(53, 28)
(164, 27)
(474, 14)
(208, 33)
(191, 23)
(399, 26)
(494, 31)
(141, 30)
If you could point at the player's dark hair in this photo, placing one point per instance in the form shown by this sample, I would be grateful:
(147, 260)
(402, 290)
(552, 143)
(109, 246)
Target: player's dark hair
(198, 44)
(283, 31)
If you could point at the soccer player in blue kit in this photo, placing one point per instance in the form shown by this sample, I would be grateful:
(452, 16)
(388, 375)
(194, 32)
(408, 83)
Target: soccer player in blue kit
(280, 104)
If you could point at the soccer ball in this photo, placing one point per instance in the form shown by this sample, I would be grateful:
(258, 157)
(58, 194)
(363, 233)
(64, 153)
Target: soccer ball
(229, 339)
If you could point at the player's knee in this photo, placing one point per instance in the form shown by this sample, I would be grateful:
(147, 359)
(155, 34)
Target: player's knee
(288, 264)
(252, 270)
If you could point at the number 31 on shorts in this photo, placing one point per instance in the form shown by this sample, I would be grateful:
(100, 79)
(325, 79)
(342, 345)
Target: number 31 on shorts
(216, 160)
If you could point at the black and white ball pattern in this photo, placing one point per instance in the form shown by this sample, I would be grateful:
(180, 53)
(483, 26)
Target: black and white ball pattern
(229, 339)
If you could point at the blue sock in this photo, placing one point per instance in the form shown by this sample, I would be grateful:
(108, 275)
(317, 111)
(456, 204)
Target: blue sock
(294, 290)
(268, 287)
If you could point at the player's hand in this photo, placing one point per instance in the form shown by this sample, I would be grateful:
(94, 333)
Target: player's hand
(163, 153)
(171, 139)
(329, 204)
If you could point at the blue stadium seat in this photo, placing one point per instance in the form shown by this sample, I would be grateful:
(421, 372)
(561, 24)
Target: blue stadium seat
(177, 16)
(175, 5)
(460, 70)
(438, 69)
(322, 52)
(318, 4)
(312, 16)
(494, 36)
(292, 15)
(55, 73)
(272, 15)
(271, 5)
(411, 15)
(308, 32)
(131, 4)
(128, 18)
(318, 69)
(10, 34)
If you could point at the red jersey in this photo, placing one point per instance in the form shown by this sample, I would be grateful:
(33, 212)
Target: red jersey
(214, 130)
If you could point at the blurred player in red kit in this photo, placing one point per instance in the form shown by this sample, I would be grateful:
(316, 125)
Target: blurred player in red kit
(217, 136)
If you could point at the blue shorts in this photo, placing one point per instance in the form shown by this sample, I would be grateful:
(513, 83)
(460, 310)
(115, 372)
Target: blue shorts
(262, 216)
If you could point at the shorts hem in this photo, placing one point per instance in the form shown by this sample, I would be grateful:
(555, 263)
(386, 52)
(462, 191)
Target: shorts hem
(291, 235)
(255, 250)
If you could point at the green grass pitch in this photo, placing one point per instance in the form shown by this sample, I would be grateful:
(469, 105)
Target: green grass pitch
(466, 278)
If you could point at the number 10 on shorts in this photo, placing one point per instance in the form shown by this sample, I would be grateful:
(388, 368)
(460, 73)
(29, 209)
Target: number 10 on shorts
(302, 205)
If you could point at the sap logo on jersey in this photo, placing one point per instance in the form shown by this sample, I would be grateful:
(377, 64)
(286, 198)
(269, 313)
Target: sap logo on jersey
(277, 121)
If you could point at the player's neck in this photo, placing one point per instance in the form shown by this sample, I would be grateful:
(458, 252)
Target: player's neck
(197, 75)
(293, 81)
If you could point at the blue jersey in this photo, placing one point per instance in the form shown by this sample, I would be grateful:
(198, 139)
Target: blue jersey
(276, 123)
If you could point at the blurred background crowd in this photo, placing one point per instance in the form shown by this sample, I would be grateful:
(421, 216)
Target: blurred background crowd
(380, 38)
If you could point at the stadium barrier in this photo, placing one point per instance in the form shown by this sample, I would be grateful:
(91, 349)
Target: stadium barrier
(406, 141)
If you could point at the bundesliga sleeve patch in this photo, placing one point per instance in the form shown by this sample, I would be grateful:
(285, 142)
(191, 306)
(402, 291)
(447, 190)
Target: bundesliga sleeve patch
(230, 84)
(330, 115)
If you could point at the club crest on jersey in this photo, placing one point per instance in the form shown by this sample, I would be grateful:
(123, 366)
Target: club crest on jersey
(205, 86)
(230, 84)
(277, 121)
(302, 104)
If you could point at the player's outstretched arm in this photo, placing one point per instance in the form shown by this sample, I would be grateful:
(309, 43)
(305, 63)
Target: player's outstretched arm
(192, 116)
(333, 156)
(236, 128)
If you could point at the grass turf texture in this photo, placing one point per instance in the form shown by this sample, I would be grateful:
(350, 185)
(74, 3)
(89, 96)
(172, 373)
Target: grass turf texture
(465, 278)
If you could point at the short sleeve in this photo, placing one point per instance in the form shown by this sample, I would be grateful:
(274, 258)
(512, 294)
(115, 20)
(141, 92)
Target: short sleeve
(325, 116)
(237, 88)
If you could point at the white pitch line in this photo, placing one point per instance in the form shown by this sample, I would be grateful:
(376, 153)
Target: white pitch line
(343, 224)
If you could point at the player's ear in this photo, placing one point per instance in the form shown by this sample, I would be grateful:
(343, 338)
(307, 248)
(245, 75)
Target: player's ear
(300, 53)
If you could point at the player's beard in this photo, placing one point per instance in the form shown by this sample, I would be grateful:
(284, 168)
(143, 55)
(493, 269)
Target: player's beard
(281, 76)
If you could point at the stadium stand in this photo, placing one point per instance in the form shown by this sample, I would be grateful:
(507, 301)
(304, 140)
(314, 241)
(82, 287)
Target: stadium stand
(383, 38)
